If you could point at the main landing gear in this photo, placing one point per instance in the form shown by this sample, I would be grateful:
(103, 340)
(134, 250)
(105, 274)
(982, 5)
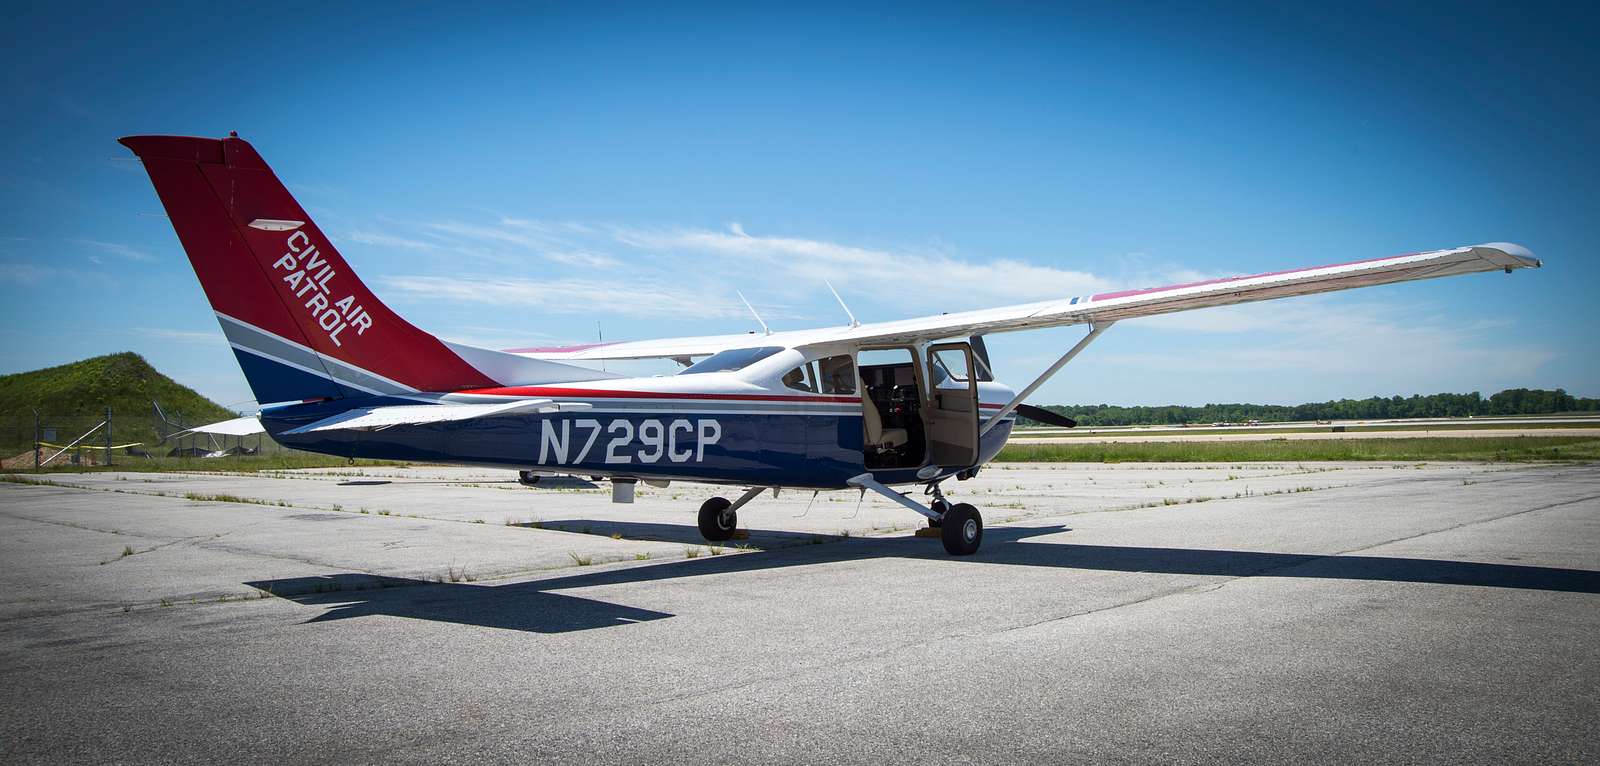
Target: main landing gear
(960, 525)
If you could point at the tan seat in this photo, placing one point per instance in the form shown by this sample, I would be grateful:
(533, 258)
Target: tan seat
(878, 437)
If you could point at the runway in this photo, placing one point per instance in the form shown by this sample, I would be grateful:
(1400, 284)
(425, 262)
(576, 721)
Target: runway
(1116, 613)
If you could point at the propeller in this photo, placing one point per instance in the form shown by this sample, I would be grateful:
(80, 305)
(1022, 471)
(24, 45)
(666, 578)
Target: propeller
(1040, 414)
(1045, 416)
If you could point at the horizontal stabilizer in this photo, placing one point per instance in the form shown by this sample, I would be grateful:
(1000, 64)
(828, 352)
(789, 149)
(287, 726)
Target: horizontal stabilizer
(379, 418)
(245, 426)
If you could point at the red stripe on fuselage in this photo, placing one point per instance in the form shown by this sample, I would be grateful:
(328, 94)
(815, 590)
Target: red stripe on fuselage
(593, 393)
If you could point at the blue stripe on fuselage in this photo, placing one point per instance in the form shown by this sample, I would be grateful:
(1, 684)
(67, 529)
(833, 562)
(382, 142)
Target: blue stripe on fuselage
(697, 444)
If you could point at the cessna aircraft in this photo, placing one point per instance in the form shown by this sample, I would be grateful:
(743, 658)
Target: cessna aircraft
(864, 406)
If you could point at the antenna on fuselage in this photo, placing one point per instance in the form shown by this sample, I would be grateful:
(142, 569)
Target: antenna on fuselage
(747, 305)
(853, 322)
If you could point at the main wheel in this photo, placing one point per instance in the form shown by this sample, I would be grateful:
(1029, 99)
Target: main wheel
(716, 521)
(962, 530)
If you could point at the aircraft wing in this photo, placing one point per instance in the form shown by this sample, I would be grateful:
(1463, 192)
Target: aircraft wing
(1101, 307)
(379, 418)
(1126, 304)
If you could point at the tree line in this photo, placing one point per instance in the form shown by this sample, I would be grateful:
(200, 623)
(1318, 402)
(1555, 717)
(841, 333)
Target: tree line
(1514, 401)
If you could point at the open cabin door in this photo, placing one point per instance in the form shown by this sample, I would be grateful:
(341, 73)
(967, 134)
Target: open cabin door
(952, 412)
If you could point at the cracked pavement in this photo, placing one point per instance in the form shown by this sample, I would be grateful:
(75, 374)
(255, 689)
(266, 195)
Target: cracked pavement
(1118, 613)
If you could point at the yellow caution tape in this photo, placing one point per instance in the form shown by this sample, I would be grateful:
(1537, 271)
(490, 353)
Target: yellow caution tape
(90, 446)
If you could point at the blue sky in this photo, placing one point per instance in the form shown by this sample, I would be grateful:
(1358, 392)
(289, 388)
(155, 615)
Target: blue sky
(513, 178)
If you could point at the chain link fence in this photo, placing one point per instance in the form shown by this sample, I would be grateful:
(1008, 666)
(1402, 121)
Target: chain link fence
(110, 437)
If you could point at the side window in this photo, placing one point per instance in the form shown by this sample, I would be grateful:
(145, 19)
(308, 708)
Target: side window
(952, 362)
(838, 375)
(801, 378)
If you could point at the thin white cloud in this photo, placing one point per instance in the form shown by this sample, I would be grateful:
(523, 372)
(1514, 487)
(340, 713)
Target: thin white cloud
(380, 239)
(522, 237)
(567, 296)
(893, 277)
(584, 259)
(181, 336)
(116, 248)
(25, 273)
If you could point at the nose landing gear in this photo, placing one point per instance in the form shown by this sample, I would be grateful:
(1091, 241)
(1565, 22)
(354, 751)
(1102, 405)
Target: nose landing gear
(961, 530)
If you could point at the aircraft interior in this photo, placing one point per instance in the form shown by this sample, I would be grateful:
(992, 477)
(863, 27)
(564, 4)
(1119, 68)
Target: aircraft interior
(892, 411)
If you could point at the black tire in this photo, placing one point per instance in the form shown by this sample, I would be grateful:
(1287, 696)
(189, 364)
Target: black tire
(717, 523)
(962, 530)
(527, 478)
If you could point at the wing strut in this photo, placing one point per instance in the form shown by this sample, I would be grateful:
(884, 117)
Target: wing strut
(1095, 328)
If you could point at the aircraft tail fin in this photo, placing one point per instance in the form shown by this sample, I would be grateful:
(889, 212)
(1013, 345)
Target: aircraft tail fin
(301, 323)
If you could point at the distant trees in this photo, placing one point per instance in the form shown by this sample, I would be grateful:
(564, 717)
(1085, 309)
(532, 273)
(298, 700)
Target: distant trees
(1515, 401)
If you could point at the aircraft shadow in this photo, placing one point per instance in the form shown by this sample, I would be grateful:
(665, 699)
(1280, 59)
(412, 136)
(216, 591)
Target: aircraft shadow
(676, 533)
(511, 607)
(534, 607)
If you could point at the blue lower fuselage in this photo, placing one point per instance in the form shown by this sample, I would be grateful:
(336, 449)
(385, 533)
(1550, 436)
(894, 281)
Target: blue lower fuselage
(816, 447)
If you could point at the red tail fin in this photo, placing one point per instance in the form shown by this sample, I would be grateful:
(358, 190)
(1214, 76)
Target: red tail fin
(300, 321)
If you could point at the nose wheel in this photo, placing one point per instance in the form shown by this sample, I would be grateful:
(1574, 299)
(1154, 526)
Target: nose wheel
(961, 529)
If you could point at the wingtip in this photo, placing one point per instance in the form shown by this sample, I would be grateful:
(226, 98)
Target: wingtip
(1523, 256)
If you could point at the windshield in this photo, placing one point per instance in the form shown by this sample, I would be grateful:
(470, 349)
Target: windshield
(731, 360)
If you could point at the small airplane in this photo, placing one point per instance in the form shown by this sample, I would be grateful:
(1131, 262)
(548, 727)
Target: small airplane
(864, 406)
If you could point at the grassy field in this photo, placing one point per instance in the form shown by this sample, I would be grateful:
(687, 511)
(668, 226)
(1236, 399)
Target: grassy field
(1148, 431)
(1497, 449)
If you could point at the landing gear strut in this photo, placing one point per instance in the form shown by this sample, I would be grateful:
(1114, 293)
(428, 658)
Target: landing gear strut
(938, 505)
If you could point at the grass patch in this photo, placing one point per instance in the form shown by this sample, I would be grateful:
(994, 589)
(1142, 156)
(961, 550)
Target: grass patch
(224, 498)
(1492, 449)
(274, 461)
(1308, 429)
(581, 561)
(16, 479)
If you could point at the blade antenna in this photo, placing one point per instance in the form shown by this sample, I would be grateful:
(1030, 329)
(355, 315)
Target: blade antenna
(853, 322)
(759, 320)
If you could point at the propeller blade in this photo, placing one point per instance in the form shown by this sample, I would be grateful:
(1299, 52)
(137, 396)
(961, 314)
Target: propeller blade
(1045, 416)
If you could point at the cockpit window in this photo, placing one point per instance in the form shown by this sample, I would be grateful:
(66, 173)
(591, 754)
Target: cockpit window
(800, 378)
(838, 374)
(732, 360)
